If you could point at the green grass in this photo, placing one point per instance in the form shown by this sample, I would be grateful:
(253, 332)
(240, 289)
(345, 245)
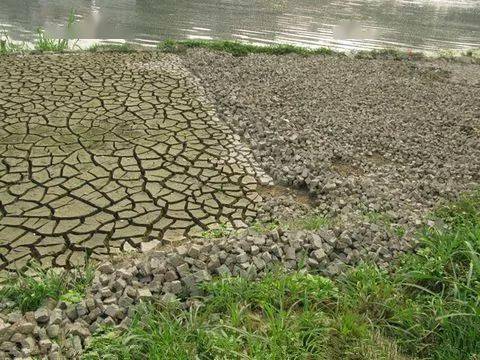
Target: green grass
(389, 54)
(30, 288)
(262, 227)
(45, 43)
(7, 46)
(222, 230)
(311, 222)
(239, 49)
(280, 317)
(121, 48)
(428, 307)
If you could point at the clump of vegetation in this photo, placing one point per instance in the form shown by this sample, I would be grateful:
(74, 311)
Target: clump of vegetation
(46, 43)
(311, 222)
(222, 230)
(7, 46)
(32, 286)
(239, 49)
(121, 48)
(264, 227)
(426, 308)
(389, 54)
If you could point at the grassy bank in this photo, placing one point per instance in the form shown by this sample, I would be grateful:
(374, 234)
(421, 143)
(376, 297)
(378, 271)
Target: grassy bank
(44, 43)
(428, 308)
(240, 49)
(237, 48)
(30, 288)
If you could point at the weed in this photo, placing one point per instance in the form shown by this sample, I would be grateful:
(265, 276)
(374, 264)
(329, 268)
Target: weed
(45, 43)
(222, 230)
(378, 217)
(398, 230)
(121, 48)
(7, 46)
(264, 227)
(389, 54)
(32, 286)
(239, 49)
(276, 317)
(311, 222)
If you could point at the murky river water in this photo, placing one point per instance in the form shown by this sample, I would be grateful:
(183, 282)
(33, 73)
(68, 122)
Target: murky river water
(345, 24)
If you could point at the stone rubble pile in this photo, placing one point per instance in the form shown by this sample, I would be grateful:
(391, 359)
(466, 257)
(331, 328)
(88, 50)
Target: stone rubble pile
(368, 136)
(61, 330)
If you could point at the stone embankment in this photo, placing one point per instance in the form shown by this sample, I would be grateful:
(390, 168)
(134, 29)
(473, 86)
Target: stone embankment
(60, 330)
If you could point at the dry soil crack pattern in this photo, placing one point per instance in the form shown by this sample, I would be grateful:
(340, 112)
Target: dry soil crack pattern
(102, 152)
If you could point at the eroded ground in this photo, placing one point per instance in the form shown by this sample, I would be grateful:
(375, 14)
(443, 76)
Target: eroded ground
(101, 153)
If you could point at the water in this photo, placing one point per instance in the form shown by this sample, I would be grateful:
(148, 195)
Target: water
(339, 24)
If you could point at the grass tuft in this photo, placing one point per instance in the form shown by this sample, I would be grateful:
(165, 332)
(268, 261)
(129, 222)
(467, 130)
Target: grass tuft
(120, 48)
(7, 46)
(221, 231)
(311, 223)
(389, 54)
(45, 43)
(31, 287)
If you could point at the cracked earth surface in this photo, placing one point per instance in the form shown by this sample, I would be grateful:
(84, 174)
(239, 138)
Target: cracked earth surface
(100, 153)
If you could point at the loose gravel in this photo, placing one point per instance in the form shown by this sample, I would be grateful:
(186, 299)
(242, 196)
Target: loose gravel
(372, 141)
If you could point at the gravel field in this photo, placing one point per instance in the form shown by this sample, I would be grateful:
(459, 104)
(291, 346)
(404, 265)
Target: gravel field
(372, 141)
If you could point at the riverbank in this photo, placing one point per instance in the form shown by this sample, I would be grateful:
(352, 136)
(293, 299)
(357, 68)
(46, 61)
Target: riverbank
(212, 299)
(339, 135)
(115, 150)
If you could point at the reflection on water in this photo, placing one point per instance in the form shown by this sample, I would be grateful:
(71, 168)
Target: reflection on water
(345, 24)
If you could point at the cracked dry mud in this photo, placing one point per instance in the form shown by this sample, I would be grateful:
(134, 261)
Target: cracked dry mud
(99, 153)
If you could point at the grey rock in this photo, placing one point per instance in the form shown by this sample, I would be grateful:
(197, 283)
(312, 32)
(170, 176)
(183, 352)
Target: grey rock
(173, 287)
(157, 265)
(71, 312)
(223, 270)
(114, 311)
(119, 285)
(319, 255)
(168, 297)
(78, 329)
(45, 346)
(53, 331)
(194, 251)
(259, 262)
(14, 316)
(125, 301)
(242, 258)
(290, 253)
(82, 309)
(25, 327)
(202, 276)
(144, 294)
(170, 276)
(106, 268)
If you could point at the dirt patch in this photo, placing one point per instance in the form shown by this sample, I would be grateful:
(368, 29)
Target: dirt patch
(279, 191)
